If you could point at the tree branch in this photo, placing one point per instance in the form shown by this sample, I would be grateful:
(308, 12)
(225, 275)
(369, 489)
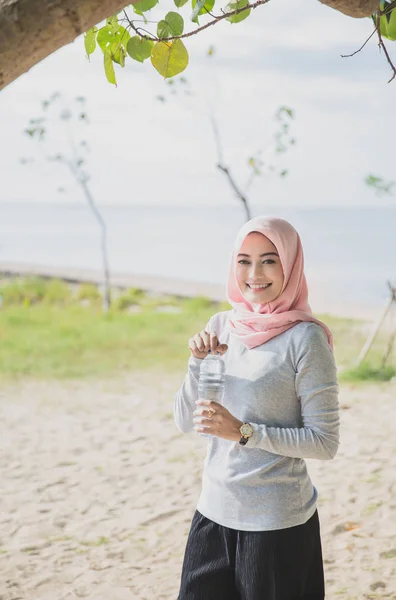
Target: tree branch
(382, 45)
(217, 139)
(30, 30)
(236, 189)
(353, 8)
(225, 169)
(199, 29)
(361, 48)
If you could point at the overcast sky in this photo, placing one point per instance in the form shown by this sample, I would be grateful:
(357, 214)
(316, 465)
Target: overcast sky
(147, 151)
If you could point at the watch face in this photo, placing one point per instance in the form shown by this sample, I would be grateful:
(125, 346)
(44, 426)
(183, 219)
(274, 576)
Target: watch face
(246, 429)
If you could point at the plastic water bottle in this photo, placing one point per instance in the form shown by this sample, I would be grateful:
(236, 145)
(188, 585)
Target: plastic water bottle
(211, 380)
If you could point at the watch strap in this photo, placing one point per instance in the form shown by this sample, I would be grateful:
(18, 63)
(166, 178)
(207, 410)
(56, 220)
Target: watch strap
(244, 439)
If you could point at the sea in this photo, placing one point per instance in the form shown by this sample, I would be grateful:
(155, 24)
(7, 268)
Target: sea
(350, 253)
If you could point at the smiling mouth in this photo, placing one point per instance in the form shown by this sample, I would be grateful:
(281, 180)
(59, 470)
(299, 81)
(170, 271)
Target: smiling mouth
(259, 288)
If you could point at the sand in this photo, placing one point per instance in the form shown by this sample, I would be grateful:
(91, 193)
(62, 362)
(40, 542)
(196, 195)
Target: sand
(99, 488)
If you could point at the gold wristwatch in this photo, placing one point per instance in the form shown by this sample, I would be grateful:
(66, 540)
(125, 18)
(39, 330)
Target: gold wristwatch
(246, 432)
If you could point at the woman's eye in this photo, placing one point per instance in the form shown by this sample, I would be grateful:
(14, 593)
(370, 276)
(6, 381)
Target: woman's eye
(268, 261)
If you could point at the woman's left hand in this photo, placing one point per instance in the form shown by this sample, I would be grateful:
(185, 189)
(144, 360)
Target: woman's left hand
(221, 424)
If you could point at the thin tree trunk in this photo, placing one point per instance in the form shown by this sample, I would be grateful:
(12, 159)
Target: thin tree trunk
(237, 191)
(225, 170)
(374, 332)
(389, 348)
(377, 326)
(30, 30)
(103, 228)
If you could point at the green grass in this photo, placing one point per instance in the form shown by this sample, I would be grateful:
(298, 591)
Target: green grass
(366, 372)
(48, 341)
(349, 338)
(46, 331)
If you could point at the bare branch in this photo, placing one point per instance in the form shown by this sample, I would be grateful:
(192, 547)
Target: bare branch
(217, 139)
(250, 179)
(195, 31)
(382, 45)
(236, 189)
(361, 48)
(225, 170)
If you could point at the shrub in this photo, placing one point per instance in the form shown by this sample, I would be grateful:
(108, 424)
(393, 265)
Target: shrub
(153, 302)
(27, 291)
(58, 292)
(130, 297)
(88, 291)
(198, 304)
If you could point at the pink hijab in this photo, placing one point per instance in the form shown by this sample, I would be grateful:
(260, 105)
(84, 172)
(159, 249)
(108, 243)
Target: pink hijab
(291, 306)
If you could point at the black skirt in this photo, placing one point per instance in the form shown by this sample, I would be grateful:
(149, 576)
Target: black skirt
(225, 564)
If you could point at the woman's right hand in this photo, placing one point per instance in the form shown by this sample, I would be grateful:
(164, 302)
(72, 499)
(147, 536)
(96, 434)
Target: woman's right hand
(202, 342)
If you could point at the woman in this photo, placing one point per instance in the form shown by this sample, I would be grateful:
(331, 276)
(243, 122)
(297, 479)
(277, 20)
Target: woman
(255, 534)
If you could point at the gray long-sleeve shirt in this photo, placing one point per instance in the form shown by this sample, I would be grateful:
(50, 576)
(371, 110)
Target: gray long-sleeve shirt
(287, 390)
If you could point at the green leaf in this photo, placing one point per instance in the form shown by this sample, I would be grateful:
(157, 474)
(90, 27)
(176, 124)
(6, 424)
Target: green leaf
(123, 35)
(175, 22)
(172, 25)
(388, 24)
(239, 16)
(139, 49)
(144, 6)
(90, 40)
(107, 37)
(201, 7)
(112, 23)
(163, 29)
(392, 26)
(180, 3)
(118, 53)
(109, 68)
(169, 58)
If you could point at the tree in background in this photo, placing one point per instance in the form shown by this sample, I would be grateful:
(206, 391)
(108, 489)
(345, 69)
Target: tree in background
(263, 162)
(74, 159)
(30, 30)
(258, 163)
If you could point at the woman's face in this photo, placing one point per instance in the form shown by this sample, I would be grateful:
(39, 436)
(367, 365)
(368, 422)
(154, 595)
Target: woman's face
(259, 271)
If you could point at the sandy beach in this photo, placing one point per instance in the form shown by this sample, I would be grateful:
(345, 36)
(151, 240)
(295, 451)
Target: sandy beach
(99, 488)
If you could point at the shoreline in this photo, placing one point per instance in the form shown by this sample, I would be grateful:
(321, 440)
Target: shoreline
(320, 302)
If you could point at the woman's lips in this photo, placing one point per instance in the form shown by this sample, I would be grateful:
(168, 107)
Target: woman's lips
(259, 289)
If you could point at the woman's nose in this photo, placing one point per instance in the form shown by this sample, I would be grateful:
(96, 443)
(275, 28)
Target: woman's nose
(255, 270)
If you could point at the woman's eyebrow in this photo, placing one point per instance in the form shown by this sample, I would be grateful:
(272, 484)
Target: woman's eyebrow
(261, 255)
